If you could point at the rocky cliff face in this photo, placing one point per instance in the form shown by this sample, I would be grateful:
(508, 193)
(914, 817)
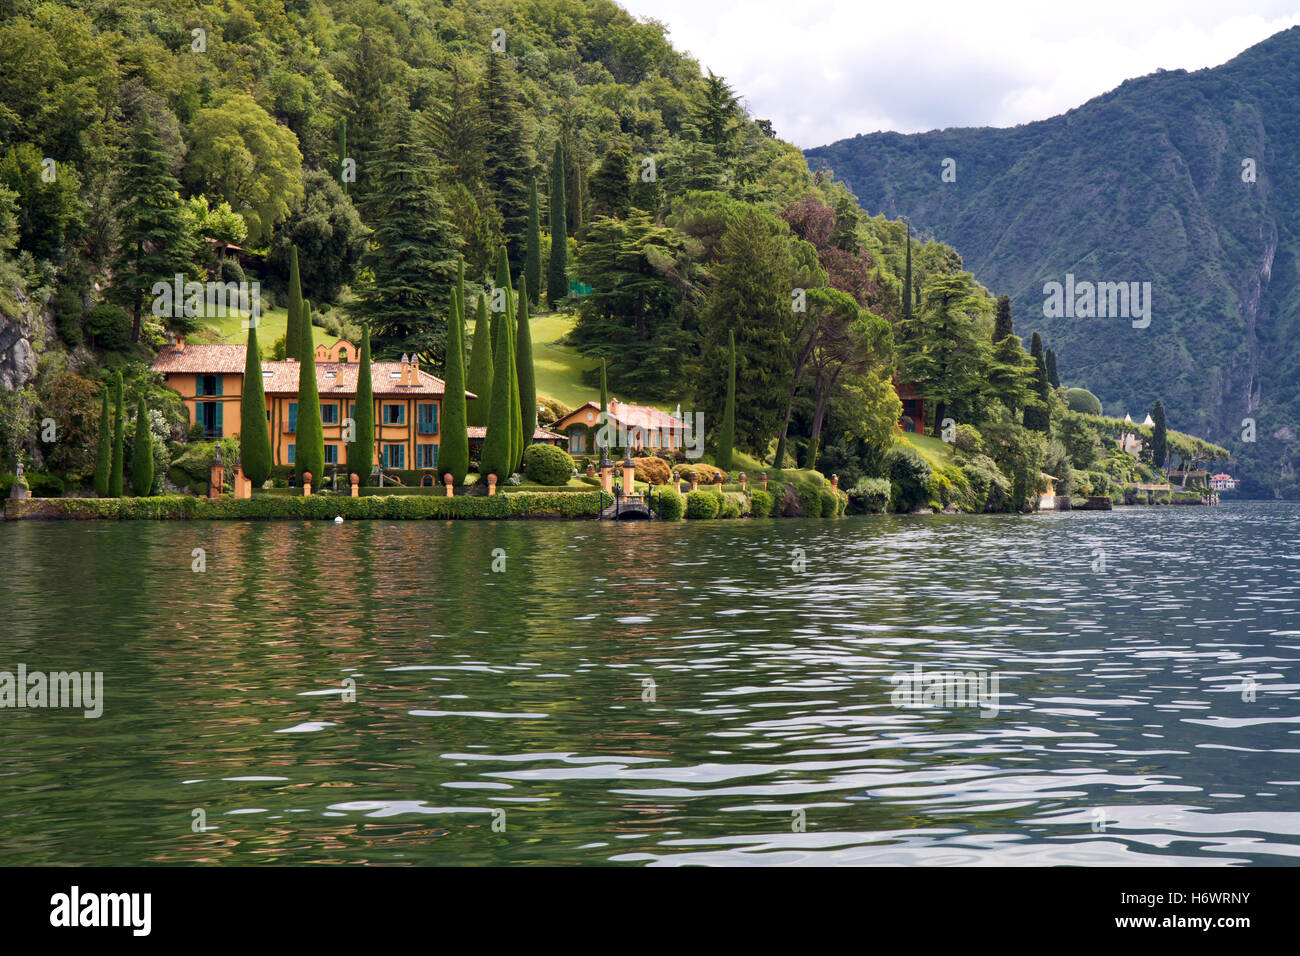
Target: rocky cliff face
(1187, 181)
(21, 335)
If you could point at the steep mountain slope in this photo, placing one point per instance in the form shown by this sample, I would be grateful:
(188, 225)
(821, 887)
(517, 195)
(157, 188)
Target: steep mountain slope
(1147, 183)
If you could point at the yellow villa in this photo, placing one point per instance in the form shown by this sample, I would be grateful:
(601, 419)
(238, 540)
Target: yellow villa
(407, 400)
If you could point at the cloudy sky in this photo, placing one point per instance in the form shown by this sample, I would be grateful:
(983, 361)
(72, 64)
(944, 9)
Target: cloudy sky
(822, 70)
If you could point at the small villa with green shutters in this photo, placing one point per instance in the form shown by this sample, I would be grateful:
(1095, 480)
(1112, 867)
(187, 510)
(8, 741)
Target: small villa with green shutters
(643, 425)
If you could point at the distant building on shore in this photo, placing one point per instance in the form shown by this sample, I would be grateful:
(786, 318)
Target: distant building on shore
(1223, 482)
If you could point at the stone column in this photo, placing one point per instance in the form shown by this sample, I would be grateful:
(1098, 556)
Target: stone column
(243, 484)
(742, 481)
(762, 476)
(216, 477)
(449, 481)
(306, 484)
(607, 476)
(629, 476)
(492, 485)
(695, 482)
(356, 485)
(835, 482)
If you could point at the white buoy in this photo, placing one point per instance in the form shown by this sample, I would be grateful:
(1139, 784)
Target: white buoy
(338, 519)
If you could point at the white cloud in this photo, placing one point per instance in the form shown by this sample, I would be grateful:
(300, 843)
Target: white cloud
(825, 71)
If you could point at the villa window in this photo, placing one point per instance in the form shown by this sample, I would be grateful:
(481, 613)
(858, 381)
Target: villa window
(343, 355)
(209, 415)
(428, 418)
(331, 454)
(329, 414)
(292, 425)
(426, 456)
(576, 443)
(207, 385)
(394, 414)
(290, 453)
(394, 456)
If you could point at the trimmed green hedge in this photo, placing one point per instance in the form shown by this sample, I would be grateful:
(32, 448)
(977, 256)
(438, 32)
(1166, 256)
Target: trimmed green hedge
(760, 503)
(703, 504)
(537, 504)
(672, 506)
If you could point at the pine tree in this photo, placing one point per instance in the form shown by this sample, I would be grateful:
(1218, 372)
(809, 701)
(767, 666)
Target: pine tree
(524, 367)
(1053, 378)
(254, 436)
(155, 242)
(453, 451)
(498, 444)
(309, 453)
(727, 434)
(119, 432)
(1002, 324)
(142, 451)
(1159, 435)
(293, 327)
(557, 274)
(361, 450)
(340, 158)
(480, 367)
(532, 278)
(610, 186)
(104, 450)
(508, 162)
(412, 254)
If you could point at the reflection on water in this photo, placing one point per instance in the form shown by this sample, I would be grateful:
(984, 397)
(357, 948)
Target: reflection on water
(374, 693)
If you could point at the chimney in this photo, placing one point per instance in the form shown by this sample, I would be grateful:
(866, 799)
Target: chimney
(406, 370)
(180, 343)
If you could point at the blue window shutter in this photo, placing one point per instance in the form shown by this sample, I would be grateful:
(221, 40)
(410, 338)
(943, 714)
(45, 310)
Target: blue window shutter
(220, 409)
(435, 429)
(219, 380)
(293, 416)
(292, 448)
(435, 456)
(198, 385)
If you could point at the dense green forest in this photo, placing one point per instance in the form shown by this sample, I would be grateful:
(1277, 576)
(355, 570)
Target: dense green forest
(560, 147)
(1183, 180)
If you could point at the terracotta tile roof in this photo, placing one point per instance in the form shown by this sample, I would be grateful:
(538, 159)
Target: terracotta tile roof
(332, 378)
(479, 432)
(632, 416)
(201, 359)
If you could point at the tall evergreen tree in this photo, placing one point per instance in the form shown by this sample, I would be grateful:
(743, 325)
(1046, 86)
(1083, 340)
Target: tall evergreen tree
(1002, 324)
(309, 441)
(460, 310)
(557, 273)
(480, 367)
(1053, 378)
(104, 450)
(254, 435)
(1038, 412)
(610, 186)
(342, 155)
(508, 162)
(155, 242)
(604, 415)
(119, 438)
(453, 450)
(293, 326)
(943, 352)
(1159, 435)
(498, 444)
(412, 256)
(907, 279)
(142, 451)
(361, 450)
(526, 372)
(532, 278)
(727, 434)
(1036, 346)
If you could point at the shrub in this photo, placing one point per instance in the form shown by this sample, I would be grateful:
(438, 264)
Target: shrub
(969, 441)
(869, 496)
(909, 479)
(729, 509)
(810, 500)
(547, 465)
(760, 503)
(990, 489)
(1082, 400)
(109, 327)
(702, 504)
(672, 506)
(533, 504)
(830, 503)
(654, 471)
(959, 490)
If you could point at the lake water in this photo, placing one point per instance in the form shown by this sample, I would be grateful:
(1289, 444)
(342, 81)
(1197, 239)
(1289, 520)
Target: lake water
(709, 692)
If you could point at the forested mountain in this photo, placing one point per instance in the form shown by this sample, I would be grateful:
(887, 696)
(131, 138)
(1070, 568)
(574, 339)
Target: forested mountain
(1184, 180)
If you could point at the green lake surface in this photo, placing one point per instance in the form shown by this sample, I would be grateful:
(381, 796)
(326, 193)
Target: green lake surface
(713, 692)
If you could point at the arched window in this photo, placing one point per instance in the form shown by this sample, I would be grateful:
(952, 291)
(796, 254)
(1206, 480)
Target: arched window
(343, 354)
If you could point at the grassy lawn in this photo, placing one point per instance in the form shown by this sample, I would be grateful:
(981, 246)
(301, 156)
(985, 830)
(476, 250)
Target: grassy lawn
(230, 328)
(934, 450)
(558, 367)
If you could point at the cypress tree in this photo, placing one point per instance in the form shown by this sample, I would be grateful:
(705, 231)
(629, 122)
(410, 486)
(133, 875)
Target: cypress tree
(516, 413)
(453, 453)
(142, 451)
(533, 250)
(1159, 435)
(292, 329)
(104, 451)
(1036, 346)
(343, 154)
(119, 429)
(524, 367)
(1002, 324)
(1052, 378)
(361, 450)
(460, 311)
(497, 444)
(254, 436)
(907, 281)
(604, 412)
(502, 281)
(480, 367)
(727, 434)
(309, 453)
(557, 274)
